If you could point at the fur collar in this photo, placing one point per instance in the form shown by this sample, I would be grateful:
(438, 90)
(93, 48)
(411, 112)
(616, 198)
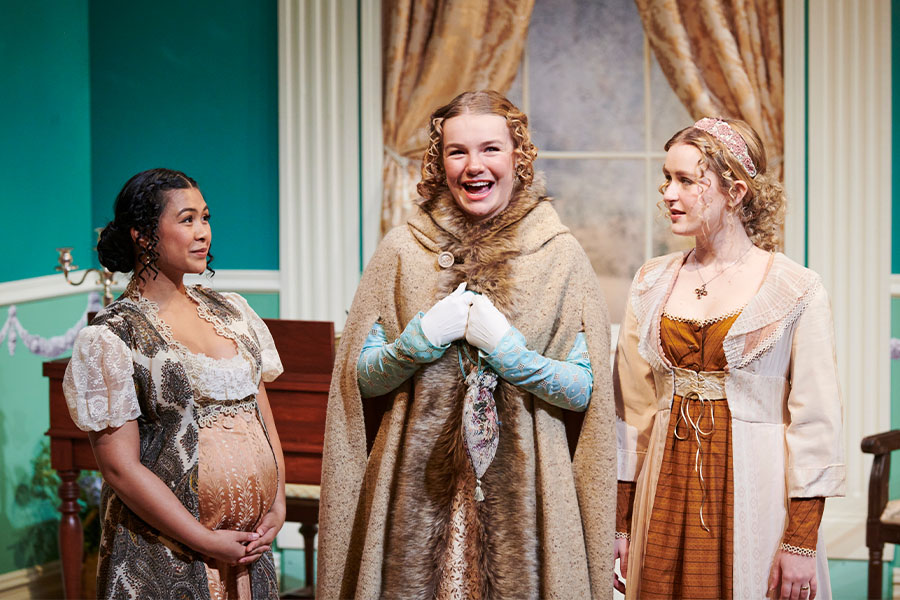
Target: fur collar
(482, 251)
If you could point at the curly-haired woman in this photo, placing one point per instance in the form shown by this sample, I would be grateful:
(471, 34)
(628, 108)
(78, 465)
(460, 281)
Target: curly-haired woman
(167, 380)
(726, 391)
(479, 323)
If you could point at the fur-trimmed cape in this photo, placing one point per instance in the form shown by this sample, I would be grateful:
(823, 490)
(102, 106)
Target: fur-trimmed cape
(545, 527)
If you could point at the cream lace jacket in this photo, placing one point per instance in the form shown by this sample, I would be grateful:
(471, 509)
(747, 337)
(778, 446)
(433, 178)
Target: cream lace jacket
(782, 390)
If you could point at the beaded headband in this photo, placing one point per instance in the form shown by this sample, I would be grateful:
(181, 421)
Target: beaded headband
(723, 132)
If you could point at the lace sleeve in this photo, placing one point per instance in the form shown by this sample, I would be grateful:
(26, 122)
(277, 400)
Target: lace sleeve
(98, 384)
(382, 366)
(271, 362)
(563, 383)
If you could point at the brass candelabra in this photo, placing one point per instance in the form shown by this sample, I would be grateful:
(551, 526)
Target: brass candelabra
(105, 277)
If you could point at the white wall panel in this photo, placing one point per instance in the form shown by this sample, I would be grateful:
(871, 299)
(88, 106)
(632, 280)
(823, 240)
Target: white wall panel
(849, 226)
(319, 140)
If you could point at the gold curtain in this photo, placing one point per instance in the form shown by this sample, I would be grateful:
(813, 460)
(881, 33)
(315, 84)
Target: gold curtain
(433, 51)
(723, 58)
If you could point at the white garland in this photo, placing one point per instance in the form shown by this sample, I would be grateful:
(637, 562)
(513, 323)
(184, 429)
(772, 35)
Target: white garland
(47, 347)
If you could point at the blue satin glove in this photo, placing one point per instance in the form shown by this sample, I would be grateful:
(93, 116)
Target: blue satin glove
(566, 384)
(382, 366)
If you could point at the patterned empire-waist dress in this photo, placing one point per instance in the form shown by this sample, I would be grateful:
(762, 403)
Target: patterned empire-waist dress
(689, 545)
(236, 477)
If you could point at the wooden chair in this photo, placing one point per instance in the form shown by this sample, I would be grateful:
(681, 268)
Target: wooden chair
(883, 520)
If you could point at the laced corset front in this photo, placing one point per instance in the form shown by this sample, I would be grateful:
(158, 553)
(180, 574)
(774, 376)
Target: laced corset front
(221, 386)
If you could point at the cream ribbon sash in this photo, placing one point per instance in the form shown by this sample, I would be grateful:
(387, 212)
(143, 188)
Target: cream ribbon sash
(698, 388)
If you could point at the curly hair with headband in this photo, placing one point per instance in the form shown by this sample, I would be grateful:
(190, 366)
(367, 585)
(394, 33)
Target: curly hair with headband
(762, 209)
(484, 102)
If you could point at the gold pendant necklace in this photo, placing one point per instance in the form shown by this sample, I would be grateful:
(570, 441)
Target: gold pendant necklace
(701, 291)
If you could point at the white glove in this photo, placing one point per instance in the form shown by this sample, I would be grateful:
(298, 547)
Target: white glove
(487, 325)
(445, 322)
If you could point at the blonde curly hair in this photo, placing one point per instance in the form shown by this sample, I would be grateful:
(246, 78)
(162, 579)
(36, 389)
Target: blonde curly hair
(482, 102)
(762, 209)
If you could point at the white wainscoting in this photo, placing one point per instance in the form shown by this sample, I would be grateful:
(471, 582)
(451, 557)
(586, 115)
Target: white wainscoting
(52, 286)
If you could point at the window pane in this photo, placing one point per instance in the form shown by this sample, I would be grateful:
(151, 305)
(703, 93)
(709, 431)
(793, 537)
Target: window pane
(668, 114)
(602, 203)
(586, 75)
(515, 90)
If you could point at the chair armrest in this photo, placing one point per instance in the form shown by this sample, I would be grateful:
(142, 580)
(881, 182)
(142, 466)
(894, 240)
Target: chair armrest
(881, 443)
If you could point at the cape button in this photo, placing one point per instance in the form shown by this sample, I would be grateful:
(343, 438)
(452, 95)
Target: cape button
(445, 260)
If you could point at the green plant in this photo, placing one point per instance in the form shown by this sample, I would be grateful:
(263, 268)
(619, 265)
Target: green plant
(43, 486)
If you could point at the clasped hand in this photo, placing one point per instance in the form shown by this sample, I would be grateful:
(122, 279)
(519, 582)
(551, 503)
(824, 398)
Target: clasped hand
(244, 547)
(466, 314)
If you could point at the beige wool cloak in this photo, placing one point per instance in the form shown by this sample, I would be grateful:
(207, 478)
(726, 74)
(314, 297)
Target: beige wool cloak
(545, 527)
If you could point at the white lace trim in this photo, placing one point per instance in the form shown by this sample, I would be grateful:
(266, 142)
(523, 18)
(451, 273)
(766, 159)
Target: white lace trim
(210, 318)
(224, 379)
(271, 366)
(98, 383)
(703, 322)
(208, 414)
(782, 297)
(220, 385)
(776, 334)
(797, 550)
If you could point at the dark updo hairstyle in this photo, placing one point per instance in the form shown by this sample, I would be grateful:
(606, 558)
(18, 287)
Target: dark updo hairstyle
(138, 206)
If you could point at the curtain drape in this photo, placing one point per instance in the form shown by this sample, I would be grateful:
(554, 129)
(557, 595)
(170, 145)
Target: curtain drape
(434, 50)
(723, 58)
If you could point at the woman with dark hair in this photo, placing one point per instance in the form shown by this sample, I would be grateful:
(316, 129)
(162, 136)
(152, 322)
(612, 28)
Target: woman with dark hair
(480, 324)
(168, 382)
(726, 391)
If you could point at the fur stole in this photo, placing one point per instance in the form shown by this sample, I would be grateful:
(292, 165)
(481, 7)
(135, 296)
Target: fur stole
(481, 250)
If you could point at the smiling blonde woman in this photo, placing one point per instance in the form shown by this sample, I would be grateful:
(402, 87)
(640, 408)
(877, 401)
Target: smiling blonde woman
(480, 323)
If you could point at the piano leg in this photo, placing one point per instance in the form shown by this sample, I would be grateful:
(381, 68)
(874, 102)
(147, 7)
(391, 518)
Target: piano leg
(308, 531)
(71, 535)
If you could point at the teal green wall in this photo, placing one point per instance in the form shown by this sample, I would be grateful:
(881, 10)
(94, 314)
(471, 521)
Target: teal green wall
(850, 579)
(28, 529)
(265, 305)
(92, 91)
(44, 134)
(191, 86)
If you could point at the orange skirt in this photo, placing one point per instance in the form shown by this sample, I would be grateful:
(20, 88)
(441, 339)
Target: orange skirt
(686, 557)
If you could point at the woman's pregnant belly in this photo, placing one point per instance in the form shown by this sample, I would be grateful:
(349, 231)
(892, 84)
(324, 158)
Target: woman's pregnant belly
(238, 477)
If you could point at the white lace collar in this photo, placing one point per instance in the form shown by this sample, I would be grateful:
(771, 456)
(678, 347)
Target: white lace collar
(781, 298)
(196, 364)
